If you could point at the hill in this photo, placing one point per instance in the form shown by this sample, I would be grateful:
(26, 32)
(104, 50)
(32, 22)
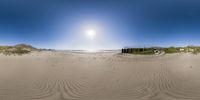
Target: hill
(17, 49)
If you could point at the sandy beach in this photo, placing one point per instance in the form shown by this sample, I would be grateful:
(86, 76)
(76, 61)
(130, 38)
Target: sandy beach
(99, 76)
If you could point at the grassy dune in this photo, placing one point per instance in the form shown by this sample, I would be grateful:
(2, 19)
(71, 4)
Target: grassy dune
(17, 49)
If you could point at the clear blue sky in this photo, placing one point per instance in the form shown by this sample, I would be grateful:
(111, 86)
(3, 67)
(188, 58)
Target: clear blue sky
(61, 24)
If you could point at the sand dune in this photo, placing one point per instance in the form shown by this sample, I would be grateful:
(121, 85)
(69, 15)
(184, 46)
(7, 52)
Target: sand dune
(99, 76)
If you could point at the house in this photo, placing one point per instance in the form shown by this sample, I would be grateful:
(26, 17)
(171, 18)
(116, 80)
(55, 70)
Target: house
(181, 49)
(190, 50)
(157, 50)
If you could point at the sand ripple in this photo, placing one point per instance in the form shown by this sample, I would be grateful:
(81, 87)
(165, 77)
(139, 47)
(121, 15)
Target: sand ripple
(100, 76)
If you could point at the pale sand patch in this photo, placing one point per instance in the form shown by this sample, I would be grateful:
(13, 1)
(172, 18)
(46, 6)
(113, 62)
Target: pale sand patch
(99, 76)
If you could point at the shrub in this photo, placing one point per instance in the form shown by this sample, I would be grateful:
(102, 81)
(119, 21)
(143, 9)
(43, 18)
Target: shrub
(171, 50)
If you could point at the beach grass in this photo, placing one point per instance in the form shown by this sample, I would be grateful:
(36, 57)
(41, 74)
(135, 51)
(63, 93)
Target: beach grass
(171, 50)
(17, 49)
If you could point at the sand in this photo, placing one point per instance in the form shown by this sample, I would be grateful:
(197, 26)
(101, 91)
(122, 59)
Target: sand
(99, 76)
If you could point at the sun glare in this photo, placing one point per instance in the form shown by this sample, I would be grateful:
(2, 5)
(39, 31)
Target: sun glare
(91, 34)
(91, 50)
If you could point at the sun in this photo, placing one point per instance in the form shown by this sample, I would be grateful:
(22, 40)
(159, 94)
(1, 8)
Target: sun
(91, 33)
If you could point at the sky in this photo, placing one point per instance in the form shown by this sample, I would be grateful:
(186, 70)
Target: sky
(63, 24)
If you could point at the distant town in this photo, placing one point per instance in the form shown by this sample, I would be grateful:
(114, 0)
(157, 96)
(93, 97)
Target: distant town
(159, 50)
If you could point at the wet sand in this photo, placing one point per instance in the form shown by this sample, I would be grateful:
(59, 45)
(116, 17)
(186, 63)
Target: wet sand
(99, 76)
